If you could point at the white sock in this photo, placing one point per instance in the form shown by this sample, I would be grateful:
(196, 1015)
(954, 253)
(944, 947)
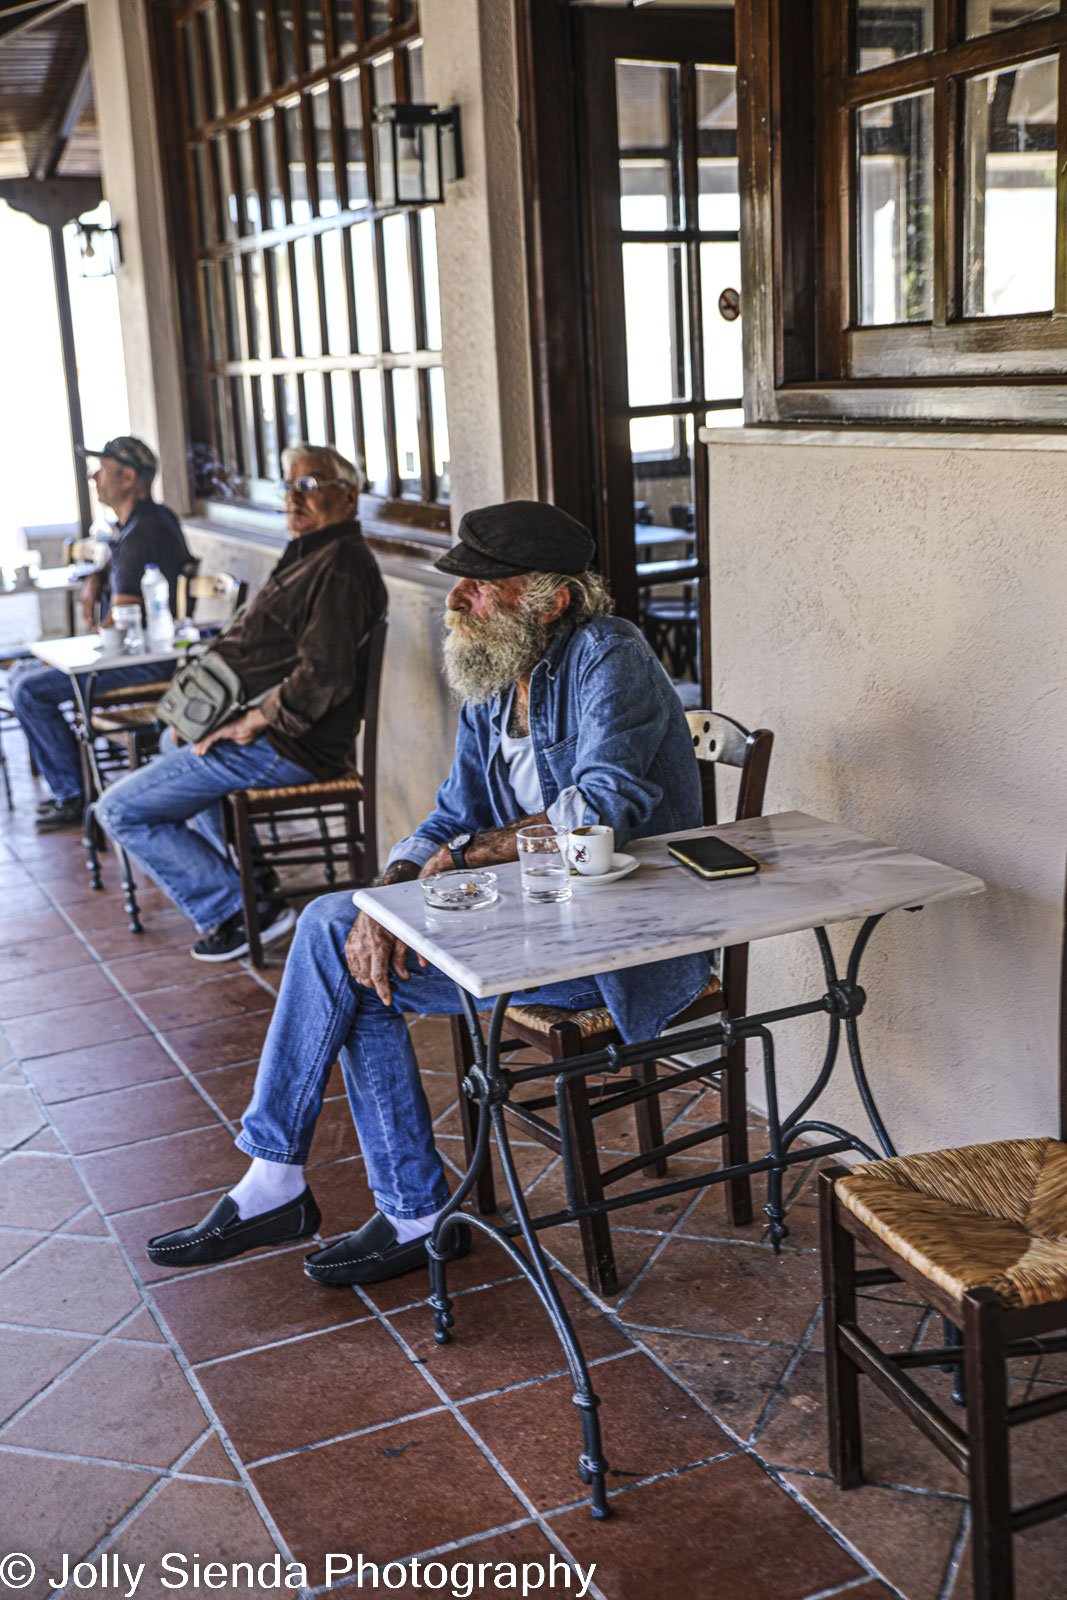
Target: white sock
(408, 1228)
(265, 1185)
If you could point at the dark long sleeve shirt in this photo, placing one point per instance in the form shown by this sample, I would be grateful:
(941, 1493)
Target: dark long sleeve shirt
(305, 638)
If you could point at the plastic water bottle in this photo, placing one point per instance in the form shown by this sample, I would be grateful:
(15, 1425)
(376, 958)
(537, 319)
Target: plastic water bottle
(155, 591)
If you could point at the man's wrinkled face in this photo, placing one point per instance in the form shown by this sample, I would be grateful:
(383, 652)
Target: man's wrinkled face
(307, 509)
(494, 637)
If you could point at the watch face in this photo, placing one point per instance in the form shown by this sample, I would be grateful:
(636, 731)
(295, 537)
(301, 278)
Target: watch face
(461, 841)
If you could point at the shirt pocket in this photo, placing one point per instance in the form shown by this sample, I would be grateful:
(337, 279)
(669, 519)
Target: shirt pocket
(560, 761)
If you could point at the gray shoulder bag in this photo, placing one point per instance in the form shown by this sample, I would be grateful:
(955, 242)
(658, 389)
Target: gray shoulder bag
(202, 695)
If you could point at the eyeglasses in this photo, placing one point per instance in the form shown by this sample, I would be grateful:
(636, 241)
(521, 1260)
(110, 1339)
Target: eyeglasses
(306, 485)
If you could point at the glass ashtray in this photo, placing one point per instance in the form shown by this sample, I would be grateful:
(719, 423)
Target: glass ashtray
(460, 891)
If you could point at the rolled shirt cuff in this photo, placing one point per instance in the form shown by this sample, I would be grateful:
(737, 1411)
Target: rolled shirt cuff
(413, 848)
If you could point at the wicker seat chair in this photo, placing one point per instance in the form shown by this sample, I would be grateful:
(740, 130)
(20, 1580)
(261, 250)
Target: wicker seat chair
(981, 1234)
(260, 822)
(558, 1034)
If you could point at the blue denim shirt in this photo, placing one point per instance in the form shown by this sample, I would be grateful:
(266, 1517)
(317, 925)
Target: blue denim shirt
(605, 720)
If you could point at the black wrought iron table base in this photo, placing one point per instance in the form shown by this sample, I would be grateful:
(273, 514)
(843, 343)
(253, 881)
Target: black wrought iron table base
(490, 1085)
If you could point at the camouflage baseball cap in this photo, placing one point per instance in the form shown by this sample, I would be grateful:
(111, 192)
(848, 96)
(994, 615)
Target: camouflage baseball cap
(129, 452)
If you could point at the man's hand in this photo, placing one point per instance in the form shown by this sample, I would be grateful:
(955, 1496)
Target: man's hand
(92, 589)
(440, 861)
(243, 731)
(371, 952)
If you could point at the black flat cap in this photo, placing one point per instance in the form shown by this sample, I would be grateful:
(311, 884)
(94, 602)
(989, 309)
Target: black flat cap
(519, 536)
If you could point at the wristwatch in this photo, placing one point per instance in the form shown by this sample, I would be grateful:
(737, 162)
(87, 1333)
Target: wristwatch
(456, 848)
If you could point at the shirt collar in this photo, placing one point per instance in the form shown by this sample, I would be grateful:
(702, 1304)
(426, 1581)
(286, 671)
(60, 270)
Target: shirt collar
(308, 543)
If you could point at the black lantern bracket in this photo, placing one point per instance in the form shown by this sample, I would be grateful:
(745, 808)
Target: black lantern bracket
(417, 150)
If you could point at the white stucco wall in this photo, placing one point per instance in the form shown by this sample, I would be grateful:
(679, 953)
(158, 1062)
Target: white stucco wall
(893, 607)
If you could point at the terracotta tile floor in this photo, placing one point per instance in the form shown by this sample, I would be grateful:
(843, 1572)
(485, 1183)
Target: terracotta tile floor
(238, 1412)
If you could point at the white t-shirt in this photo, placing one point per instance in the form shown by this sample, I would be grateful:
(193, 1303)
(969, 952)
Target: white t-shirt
(567, 811)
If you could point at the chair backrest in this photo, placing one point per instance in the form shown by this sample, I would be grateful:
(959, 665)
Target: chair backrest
(720, 741)
(95, 550)
(225, 593)
(369, 752)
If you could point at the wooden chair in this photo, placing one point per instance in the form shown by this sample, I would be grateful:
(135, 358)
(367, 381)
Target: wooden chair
(350, 800)
(718, 742)
(981, 1234)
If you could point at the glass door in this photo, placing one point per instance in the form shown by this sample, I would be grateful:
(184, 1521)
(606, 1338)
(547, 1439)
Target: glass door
(660, 163)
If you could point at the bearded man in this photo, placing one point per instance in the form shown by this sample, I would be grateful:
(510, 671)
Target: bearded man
(568, 718)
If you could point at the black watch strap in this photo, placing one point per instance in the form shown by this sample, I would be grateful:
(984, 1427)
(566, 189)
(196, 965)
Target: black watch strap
(457, 849)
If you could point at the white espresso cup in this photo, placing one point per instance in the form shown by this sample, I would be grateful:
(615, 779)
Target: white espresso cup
(590, 850)
(112, 639)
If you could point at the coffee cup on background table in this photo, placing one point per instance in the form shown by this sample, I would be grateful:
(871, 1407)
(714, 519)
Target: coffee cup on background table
(590, 850)
(112, 639)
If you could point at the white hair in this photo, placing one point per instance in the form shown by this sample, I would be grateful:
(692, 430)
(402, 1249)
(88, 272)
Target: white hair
(346, 471)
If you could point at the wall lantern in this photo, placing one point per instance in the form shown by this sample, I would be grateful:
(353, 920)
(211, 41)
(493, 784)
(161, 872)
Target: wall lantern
(416, 151)
(100, 248)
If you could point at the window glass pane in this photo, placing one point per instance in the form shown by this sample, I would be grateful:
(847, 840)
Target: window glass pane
(213, 40)
(243, 412)
(283, 289)
(664, 495)
(218, 464)
(1009, 246)
(259, 303)
(657, 322)
(294, 147)
(398, 294)
(192, 73)
(732, 417)
(885, 30)
(383, 80)
(211, 322)
(249, 187)
(442, 464)
(986, 16)
(344, 26)
(719, 203)
(376, 17)
(720, 269)
(405, 408)
(236, 309)
(314, 34)
(272, 183)
(355, 159)
(344, 422)
(235, 41)
(203, 195)
(225, 187)
(365, 280)
(377, 462)
(416, 79)
(294, 428)
(338, 339)
(260, 56)
(315, 406)
(283, 32)
(263, 389)
(307, 296)
(319, 105)
(895, 159)
(430, 284)
(648, 125)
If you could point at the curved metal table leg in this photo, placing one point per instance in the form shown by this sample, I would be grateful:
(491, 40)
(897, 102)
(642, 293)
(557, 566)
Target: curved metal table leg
(488, 1083)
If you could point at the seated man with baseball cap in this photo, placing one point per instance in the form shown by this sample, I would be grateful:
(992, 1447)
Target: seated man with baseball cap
(568, 717)
(147, 534)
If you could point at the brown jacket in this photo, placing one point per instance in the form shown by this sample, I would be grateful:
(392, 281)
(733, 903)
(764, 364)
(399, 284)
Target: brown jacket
(305, 637)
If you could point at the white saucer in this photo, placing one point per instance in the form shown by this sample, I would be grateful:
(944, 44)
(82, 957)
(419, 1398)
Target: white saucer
(620, 866)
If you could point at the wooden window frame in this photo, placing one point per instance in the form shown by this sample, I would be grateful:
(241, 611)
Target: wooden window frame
(233, 427)
(806, 359)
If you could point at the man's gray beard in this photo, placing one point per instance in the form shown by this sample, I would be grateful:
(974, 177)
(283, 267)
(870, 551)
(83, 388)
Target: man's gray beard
(483, 659)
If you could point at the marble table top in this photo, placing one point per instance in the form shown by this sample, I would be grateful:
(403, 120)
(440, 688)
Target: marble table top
(83, 652)
(813, 873)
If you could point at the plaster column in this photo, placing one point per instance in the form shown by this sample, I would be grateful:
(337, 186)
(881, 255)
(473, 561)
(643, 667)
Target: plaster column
(470, 61)
(133, 184)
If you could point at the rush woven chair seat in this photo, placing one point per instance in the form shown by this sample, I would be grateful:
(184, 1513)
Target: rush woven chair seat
(269, 828)
(718, 741)
(981, 1234)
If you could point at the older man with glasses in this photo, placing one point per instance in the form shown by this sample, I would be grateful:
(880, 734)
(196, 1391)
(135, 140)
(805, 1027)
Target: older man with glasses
(304, 640)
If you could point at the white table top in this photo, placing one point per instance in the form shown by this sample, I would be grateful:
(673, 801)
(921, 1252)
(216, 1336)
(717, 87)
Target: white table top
(83, 653)
(69, 577)
(813, 873)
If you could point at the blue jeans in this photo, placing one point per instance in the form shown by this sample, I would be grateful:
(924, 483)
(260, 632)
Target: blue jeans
(38, 694)
(167, 816)
(322, 1013)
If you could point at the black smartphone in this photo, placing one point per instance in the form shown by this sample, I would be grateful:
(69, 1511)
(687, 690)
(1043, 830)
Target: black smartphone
(712, 858)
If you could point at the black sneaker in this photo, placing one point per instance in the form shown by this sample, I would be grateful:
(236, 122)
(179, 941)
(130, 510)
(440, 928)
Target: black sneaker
(60, 814)
(229, 941)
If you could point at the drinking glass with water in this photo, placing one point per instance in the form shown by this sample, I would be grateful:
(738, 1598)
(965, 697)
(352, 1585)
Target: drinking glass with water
(543, 862)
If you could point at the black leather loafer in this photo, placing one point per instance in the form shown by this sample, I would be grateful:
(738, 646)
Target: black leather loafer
(372, 1255)
(222, 1234)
